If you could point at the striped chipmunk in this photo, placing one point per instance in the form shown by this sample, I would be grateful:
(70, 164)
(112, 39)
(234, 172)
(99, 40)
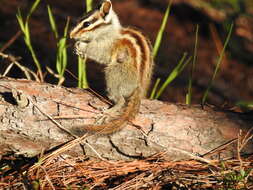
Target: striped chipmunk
(126, 55)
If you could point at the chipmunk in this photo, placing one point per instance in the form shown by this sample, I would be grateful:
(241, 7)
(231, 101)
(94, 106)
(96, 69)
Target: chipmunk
(126, 54)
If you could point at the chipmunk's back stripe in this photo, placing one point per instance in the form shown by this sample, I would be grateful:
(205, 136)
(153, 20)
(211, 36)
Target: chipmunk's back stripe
(125, 42)
(144, 50)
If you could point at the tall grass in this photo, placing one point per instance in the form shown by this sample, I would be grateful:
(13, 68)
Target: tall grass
(62, 56)
(82, 74)
(205, 96)
(155, 94)
(175, 72)
(157, 45)
(24, 26)
(154, 89)
(88, 5)
(161, 31)
(189, 93)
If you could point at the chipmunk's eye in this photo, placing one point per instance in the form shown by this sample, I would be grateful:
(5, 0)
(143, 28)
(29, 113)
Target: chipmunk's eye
(86, 24)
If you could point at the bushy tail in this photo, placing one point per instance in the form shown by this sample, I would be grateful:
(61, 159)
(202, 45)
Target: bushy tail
(128, 113)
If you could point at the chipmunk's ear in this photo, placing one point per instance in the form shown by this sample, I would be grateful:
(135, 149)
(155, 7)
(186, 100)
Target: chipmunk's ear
(105, 8)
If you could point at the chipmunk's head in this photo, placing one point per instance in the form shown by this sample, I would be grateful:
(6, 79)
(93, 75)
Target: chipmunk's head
(95, 23)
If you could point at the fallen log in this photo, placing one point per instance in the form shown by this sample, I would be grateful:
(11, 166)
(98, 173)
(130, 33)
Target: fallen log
(39, 117)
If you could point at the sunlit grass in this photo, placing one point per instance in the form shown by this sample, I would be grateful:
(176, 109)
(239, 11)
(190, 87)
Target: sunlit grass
(24, 26)
(88, 5)
(245, 105)
(161, 31)
(154, 89)
(157, 45)
(156, 93)
(62, 56)
(82, 73)
(174, 74)
(82, 79)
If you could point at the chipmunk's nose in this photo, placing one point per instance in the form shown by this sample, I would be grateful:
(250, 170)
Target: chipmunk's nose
(72, 34)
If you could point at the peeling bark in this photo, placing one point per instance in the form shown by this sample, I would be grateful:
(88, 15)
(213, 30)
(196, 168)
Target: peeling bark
(26, 130)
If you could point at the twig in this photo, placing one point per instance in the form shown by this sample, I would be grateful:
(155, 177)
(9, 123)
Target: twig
(59, 151)
(54, 121)
(239, 148)
(218, 44)
(247, 137)
(67, 131)
(47, 178)
(96, 152)
(11, 41)
(26, 71)
(7, 70)
(242, 142)
(61, 78)
(67, 146)
(219, 148)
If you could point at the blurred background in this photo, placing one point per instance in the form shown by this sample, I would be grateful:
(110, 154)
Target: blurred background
(233, 83)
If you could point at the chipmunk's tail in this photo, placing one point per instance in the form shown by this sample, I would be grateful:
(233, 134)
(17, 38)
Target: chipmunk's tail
(128, 113)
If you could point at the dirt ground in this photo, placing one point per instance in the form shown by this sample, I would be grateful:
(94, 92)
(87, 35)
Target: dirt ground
(234, 81)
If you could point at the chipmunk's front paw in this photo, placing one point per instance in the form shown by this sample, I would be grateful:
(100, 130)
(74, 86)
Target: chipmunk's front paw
(80, 49)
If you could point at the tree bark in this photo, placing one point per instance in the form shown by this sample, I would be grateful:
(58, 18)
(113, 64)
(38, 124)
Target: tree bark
(26, 130)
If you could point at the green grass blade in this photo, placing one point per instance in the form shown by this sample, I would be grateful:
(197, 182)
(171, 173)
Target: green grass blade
(245, 105)
(61, 56)
(82, 75)
(189, 94)
(59, 60)
(185, 64)
(82, 79)
(34, 6)
(88, 5)
(64, 58)
(161, 31)
(152, 96)
(20, 21)
(176, 71)
(66, 28)
(52, 22)
(26, 32)
(64, 50)
(80, 72)
(36, 61)
(217, 65)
